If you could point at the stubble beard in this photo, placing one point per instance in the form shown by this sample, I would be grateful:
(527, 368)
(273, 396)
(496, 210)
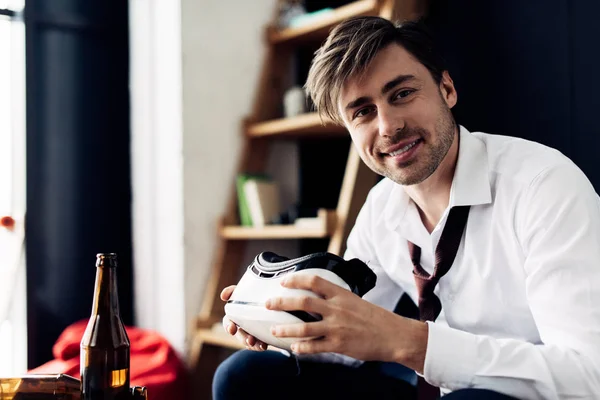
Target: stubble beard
(431, 154)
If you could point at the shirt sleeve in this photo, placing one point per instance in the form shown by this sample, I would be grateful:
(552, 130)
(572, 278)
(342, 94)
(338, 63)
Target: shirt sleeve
(559, 231)
(386, 292)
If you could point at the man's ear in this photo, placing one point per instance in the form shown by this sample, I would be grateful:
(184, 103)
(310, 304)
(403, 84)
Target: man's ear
(448, 90)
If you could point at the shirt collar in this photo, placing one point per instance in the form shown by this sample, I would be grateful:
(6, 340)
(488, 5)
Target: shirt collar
(470, 185)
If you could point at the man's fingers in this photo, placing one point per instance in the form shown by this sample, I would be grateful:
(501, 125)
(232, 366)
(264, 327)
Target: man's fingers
(314, 283)
(226, 293)
(315, 346)
(259, 346)
(229, 326)
(249, 341)
(301, 330)
(303, 303)
(232, 329)
(254, 344)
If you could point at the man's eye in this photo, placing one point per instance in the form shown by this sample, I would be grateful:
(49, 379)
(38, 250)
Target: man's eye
(362, 112)
(403, 93)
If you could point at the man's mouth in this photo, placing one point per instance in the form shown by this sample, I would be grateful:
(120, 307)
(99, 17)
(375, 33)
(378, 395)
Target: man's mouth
(403, 149)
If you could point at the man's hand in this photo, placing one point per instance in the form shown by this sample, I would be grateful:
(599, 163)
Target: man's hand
(250, 341)
(350, 325)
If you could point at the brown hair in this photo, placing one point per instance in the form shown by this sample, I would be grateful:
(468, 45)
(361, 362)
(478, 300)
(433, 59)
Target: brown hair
(350, 48)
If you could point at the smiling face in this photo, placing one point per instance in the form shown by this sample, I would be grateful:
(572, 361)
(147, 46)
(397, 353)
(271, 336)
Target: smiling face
(399, 117)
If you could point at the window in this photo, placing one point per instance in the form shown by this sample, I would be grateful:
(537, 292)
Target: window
(13, 329)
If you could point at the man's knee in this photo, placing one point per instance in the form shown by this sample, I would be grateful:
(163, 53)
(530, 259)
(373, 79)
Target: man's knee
(236, 371)
(248, 372)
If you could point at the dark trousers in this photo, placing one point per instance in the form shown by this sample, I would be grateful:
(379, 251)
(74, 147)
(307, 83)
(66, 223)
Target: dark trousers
(272, 375)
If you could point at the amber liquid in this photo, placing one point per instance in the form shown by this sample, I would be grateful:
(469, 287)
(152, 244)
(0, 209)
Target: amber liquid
(106, 376)
(105, 345)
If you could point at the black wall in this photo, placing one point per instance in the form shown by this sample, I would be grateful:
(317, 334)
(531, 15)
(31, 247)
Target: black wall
(526, 69)
(78, 179)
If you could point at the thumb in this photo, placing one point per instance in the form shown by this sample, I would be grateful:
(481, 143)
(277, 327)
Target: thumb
(226, 293)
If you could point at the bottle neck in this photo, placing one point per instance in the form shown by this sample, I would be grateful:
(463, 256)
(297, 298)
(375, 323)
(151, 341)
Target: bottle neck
(106, 297)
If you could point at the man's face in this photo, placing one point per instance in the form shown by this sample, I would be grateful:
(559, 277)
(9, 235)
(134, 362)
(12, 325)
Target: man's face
(399, 117)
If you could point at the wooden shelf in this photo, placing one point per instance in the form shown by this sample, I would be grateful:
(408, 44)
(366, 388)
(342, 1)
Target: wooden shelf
(302, 125)
(325, 223)
(216, 336)
(272, 232)
(319, 29)
(212, 337)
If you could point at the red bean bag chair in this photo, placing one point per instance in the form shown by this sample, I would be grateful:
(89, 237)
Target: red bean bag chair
(153, 362)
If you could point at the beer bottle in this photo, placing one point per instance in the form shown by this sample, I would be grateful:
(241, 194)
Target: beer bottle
(40, 387)
(105, 344)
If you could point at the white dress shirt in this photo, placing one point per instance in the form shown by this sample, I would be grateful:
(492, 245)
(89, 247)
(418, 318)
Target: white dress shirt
(521, 303)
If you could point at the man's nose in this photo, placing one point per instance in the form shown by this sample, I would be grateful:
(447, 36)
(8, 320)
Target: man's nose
(389, 123)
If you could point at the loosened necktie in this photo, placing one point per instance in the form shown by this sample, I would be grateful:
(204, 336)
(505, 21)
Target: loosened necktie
(445, 253)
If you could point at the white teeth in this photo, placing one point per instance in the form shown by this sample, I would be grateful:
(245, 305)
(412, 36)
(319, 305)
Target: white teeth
(404, 149)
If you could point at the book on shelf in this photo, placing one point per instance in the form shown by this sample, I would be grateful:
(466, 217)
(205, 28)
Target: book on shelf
(258, 199)
(318, 222)
(315, 223)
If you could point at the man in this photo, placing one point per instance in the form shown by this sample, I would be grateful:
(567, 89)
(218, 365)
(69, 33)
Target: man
(519, 306)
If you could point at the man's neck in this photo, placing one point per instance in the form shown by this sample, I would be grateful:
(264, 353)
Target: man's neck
(432, 196)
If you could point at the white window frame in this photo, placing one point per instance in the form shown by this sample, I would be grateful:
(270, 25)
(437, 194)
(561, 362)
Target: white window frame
(13, 310)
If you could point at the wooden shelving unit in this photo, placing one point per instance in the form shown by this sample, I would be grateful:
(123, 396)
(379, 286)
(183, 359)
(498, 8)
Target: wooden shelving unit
(322, 25)
(216, 336)
(262, 127)
(302, 125)
(219, 338)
